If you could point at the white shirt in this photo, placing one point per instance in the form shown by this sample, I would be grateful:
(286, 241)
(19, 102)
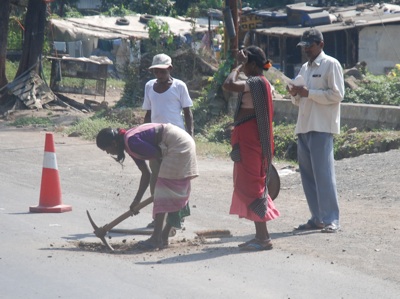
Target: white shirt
(320, 111)
(167, 107)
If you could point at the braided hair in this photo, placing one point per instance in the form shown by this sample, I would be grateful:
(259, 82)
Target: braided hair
(257, 55)
(106, 137)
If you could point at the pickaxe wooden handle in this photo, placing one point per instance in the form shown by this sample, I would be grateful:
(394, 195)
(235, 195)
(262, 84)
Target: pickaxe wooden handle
(101, 232)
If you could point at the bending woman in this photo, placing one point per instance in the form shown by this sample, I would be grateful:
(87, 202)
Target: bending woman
(175, 153)
(252, 145)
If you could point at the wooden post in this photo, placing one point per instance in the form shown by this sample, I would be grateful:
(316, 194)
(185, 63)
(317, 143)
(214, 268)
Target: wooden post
(234, 45)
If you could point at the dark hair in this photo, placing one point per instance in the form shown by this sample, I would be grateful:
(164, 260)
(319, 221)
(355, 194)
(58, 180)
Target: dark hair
(105, 139)
(257, 55)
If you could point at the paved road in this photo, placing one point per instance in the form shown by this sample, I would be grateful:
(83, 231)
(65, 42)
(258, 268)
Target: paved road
(49, 255)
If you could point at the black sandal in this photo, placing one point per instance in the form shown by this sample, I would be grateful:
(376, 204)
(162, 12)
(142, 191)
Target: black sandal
(258, 245)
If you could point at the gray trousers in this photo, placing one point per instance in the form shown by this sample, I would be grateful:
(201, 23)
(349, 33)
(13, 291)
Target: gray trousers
(317, 170)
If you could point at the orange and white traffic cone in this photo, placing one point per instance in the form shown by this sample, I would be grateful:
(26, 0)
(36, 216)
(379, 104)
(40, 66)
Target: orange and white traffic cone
(50, 189)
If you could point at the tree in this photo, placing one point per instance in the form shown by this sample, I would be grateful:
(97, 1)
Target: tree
(33, 36)
(159, 7)
(35, 21)
(4, 16)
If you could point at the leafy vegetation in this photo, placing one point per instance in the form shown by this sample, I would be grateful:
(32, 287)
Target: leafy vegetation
(285, 141)
(379, 90)
(160, 7)
(118, 11)
(206, 110)
(72, 12)
(160, 34)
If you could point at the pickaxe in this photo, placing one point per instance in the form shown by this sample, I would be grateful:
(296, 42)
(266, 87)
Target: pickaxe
(101, 232)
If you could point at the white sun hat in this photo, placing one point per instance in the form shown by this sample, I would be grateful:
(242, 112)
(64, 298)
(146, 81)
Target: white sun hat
(161, 61)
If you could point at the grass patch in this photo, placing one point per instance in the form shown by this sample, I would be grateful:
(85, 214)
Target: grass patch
(352, 144)
(116, 83)
(90, 127)
(209, 149)
(31, 121)
(214, 142)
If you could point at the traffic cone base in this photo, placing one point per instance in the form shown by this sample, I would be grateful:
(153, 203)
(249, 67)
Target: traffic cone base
(54, 209)
(50, 189)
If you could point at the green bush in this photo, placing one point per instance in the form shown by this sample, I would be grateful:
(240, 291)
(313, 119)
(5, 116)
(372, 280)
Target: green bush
(378, 90)
(133, 92)
(118, 11)
(285, 141)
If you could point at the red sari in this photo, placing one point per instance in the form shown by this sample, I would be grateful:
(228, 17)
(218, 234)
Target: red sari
(256, 151)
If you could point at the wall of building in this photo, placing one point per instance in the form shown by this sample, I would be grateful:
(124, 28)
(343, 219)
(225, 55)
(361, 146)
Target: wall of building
(380, 47)
(361, 116)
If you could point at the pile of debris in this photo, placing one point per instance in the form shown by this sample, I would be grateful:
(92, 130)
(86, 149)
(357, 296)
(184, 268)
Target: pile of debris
(354, 74)
(30, 91)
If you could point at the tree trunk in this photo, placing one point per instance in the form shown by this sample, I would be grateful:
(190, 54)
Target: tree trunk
(33, 37)
(4, 18)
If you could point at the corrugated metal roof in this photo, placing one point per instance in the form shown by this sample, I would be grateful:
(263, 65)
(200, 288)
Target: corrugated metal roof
(303, 7)
(106, 27)
(348, 23)
(269, 14)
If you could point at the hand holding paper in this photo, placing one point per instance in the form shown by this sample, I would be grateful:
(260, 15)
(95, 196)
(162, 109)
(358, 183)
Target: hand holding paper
(297, 87)
(298, 81)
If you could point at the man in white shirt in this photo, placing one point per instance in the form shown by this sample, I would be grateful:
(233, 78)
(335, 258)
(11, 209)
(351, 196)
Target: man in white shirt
(318, 98)
(165, 98)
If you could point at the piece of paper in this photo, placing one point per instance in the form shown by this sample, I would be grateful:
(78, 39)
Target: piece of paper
(299, 81)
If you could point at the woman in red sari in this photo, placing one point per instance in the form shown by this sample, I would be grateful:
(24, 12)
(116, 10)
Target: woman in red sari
(252, 145)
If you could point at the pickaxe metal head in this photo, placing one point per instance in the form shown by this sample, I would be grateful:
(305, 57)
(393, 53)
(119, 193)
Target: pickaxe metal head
(100, 232)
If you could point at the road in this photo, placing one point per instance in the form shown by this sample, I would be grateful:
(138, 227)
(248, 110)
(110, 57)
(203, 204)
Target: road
(57, 256)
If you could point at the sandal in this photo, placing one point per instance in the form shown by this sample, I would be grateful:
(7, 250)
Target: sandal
(257, 245)
(247, 242)
(251, 241)
(330, 228)
(310, 225)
